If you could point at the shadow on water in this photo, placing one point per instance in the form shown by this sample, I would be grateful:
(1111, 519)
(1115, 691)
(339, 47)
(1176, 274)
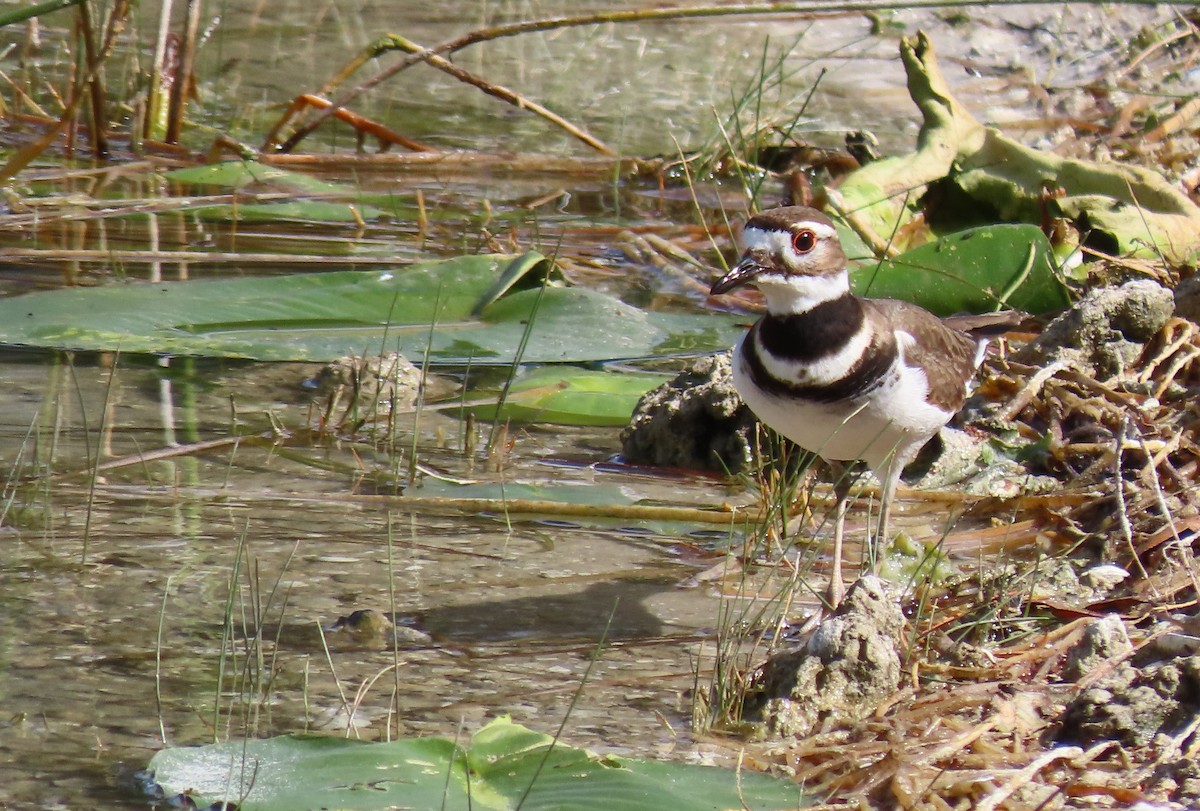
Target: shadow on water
(613, 610)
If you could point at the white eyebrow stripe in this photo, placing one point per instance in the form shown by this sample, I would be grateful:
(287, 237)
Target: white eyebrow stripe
(756, 240)
(776, 241)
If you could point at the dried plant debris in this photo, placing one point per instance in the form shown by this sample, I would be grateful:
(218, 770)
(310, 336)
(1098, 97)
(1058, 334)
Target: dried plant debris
(1109, 405)
(1008, 731)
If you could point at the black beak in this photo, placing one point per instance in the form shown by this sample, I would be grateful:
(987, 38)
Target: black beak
(741, 273)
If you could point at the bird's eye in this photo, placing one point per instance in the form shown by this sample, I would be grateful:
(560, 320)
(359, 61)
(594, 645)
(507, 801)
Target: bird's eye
(804, 241)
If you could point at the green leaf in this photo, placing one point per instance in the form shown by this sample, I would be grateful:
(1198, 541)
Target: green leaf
(238, 174)
(20, 15)
(572, 396)
(504, 759)
(294, 210)
(518, 275)
(324, 316)
(1122, 208)
(975, 271)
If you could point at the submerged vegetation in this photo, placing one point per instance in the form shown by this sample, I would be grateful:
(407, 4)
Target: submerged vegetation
(318, 383)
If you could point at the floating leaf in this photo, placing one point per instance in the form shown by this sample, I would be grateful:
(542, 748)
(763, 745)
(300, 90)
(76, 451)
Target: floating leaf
(572, 396)
(978, 270)
(324, 316)
(518, 275)
(294, 210)
(980, 173)
(238, 174)
(506, 766)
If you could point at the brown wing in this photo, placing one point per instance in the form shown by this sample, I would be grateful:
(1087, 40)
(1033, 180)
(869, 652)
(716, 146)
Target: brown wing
(946, 354)
(985, 324)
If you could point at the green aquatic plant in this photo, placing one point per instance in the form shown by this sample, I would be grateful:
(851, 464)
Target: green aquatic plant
(505, 766)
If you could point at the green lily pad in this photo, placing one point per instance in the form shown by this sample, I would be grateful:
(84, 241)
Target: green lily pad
(506, 766)
(978, 270)
(291, 211)
(323, 316)
(572, 396)
(238, 174)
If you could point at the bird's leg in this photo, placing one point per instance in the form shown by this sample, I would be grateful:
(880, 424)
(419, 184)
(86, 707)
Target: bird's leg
(842, 479)
(879, 544)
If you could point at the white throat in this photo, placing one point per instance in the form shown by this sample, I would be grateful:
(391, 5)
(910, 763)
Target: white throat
(795, 291)
(793, 295)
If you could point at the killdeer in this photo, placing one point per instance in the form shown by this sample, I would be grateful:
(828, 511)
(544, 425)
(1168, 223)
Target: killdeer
(847, 378)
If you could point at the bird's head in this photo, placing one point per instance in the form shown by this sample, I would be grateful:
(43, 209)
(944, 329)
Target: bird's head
(793, 255)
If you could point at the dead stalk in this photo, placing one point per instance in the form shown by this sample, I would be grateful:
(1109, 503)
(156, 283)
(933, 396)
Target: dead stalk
(96, 92)
(502, 93)
(24, 156)
(179, 88)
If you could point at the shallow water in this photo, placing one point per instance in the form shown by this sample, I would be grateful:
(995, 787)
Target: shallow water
(113, 591)
(108, 601)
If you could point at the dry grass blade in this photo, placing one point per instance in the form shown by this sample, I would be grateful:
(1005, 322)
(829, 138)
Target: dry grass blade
(502, 93)
(96, 92)
(183, 75)
(27, 154)
(363, 125)
(1024, 776)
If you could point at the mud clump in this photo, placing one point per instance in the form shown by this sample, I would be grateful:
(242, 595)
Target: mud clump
(848, 667)
(1103, 640)
(376, 383)
(695, 421)
(1133, 705)
(1187, 298)
(1105, 331)
(369, 628)
(1180, 780)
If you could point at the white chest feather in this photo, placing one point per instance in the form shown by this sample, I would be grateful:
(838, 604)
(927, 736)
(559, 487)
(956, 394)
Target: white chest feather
(891, 422)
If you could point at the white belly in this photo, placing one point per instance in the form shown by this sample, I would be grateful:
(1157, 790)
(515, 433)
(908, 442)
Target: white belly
(894, 420)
